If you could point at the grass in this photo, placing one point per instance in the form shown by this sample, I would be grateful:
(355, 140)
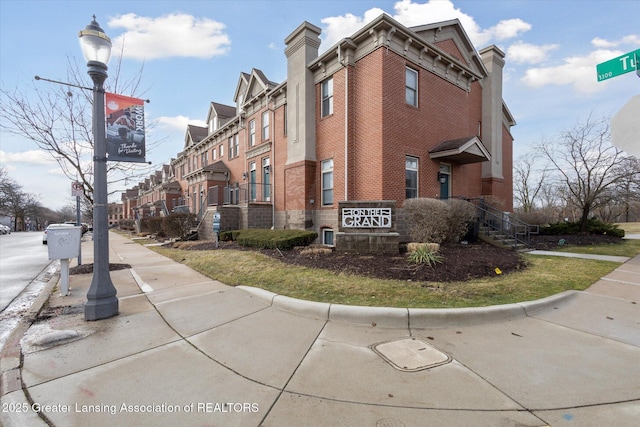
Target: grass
(545, 276)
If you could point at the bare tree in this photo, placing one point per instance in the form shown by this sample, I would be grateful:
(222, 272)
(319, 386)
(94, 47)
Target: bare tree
(587, 165)
(17, 203)
(58, 119)
(527, 181)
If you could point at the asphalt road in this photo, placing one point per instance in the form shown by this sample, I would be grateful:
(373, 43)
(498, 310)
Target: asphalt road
(24, 266)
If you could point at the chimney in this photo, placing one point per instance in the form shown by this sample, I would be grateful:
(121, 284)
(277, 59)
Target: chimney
(302, 48)
(493, 59)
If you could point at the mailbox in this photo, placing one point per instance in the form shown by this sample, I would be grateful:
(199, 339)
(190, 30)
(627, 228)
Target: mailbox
(216, 222)
(64, 242)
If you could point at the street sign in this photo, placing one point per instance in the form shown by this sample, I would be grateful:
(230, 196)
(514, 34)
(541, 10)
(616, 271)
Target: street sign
(76, 189)
(617, 66)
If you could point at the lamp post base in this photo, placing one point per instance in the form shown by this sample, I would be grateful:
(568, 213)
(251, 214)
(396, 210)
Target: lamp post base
(102, 308)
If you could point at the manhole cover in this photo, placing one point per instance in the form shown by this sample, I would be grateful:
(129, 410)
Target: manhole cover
(411, 354)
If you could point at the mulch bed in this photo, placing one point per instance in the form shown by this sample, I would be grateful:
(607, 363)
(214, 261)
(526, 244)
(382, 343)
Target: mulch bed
(460, 262)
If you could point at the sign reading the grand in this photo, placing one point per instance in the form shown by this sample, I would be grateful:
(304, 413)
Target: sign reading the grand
(362, 217)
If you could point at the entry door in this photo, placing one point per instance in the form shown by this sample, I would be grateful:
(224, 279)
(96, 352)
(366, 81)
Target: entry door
(445, 181)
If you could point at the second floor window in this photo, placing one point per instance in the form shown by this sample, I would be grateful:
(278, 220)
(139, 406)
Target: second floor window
(252, 133)
(265, 125)
(233, 146)
(412, 87)
(327, 97)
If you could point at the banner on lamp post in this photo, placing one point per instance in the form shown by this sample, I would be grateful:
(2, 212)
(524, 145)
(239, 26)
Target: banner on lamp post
(125, 129)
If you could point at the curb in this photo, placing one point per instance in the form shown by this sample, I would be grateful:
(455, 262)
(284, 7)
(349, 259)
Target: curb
(420, 318)
(11, 360)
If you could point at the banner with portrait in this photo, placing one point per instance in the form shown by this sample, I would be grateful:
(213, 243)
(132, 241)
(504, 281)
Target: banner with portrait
(125, 129)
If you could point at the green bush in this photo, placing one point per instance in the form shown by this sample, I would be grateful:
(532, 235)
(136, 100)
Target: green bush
(594, 226)
(425, 255)
(271, 239)
(228, 236)
(426, 219)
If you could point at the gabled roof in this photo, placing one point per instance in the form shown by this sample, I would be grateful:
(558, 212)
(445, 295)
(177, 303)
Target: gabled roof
(462, 150)
(453, 30)
(224, 113)
(250, 85)
(194, 135)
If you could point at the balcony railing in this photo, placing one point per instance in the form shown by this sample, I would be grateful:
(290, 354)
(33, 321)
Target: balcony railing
(239, 194)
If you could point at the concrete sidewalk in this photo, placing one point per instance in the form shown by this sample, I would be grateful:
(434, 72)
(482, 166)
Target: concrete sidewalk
(187, 350)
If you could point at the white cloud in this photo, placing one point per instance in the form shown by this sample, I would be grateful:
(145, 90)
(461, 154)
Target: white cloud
(179, 123)
(38, 157)
(173, 35)
(338, 27)
(522, 53)
(632, 39)
(411, 14)
(576, 71)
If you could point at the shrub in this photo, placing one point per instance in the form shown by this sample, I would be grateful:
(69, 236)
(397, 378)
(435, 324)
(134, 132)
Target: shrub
(424, 255)
(127, 224)
(272, 239)
(426, 219)
(153, 225)
(594, 226)
(179, 225)
(461, 214)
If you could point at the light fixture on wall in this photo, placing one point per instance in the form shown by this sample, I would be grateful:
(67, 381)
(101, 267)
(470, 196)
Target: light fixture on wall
(442, 177)
(244, 176)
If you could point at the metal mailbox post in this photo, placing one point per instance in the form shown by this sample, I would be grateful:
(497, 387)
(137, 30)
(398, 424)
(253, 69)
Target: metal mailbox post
(64, 243)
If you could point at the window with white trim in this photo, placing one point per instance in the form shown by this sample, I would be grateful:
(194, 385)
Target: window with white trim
(252, 133)
(327, 97)
(265, 125)
(411, 177)
(327, 182)
(412, 87)
(327, 237)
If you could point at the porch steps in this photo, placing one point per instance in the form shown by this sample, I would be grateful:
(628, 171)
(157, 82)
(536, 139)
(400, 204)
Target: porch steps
(498, 239)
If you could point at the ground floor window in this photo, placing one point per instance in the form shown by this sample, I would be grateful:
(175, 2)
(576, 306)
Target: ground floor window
(411, 177)
(327, 182)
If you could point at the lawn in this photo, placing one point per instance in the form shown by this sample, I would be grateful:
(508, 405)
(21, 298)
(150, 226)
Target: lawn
(545, 276)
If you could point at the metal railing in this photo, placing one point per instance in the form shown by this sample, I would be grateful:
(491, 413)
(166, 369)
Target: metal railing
(239, 194)
(497, 222)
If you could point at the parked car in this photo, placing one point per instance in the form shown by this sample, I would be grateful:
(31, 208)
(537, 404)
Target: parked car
(46, 230)
(84, 226)
(4, 229)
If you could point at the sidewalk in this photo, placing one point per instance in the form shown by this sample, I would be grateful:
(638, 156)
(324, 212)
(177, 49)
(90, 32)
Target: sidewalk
(187, 350)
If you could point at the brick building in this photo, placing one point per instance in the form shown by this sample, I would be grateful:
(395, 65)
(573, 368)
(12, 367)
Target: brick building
(386, 114)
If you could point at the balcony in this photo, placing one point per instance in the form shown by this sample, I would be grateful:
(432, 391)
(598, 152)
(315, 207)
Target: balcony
(239, 194)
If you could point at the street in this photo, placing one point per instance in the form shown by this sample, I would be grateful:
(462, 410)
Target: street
(23, 264)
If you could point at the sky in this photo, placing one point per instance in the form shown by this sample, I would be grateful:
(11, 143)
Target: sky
(192, 53)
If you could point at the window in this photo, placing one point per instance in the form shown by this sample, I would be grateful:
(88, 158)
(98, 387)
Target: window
(266, 179)
(411, 167)
(221, 150)
(252, 133)
(265, 125)
(252, 181)
(327, 236)
(233, 146)
(327, 97)
(412, 87)
(214, 154)
(204, 160)
(327, 182)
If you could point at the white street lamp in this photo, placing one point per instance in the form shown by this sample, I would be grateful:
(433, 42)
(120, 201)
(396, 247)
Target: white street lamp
(102, 302)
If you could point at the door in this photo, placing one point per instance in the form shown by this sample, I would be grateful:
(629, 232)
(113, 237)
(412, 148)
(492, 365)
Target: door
(444, 176)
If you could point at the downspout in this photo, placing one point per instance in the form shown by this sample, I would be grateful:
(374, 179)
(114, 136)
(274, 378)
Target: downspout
(346, 124)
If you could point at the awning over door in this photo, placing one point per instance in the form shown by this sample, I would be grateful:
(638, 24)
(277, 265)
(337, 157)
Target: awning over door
(461, 150)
